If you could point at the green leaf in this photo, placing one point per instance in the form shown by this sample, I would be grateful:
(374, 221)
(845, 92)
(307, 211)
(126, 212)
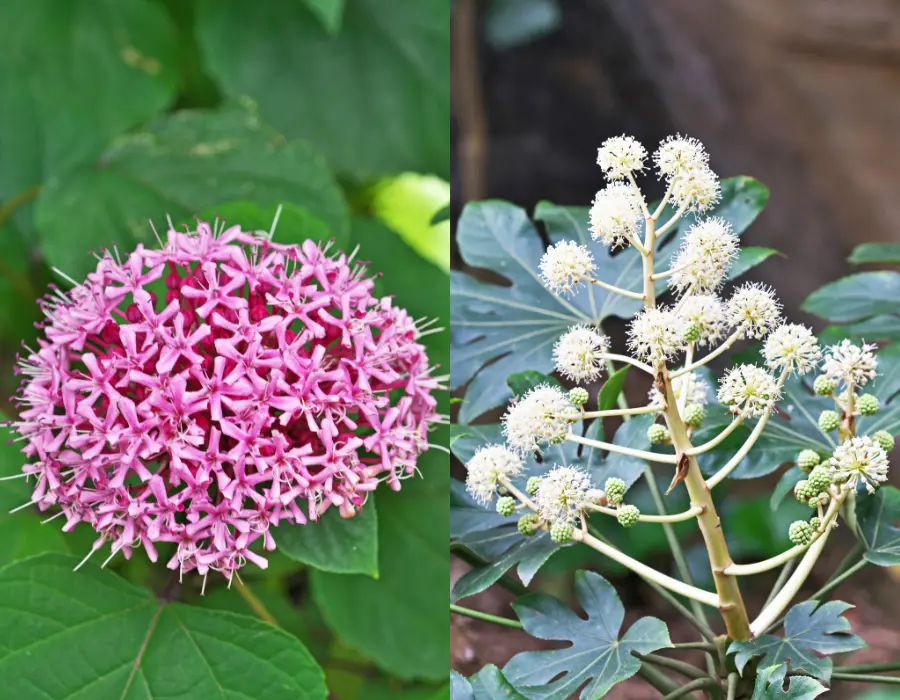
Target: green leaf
(336, 544)
(878, 525)
(748, 258)
(295, 224)
(400, 620)
(770, 685)
(73, 75)
(501, 330)
(597, 656)
(92, 635)
(875, 253)
(810, 634)
(510, 23)
(490, 684)
(460, 688)
(855, 297)
(328, 12)
(609, 392)
(523, 382)
(880, 327)
(785, 486)
(181, 165)
(386, 70)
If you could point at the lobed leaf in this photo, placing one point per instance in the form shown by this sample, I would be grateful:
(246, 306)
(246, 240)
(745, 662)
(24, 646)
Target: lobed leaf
(770, 685)
(855, 297)
(878, 525)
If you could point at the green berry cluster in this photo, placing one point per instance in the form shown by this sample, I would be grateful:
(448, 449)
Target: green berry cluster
(615, 490)
(824, 386)
(868, 404)
(884, 439)
(532, 485)
(815, 523)
(578, 396)
(657, 434)
(506, 505)
(692, 333)
(561, 532)
(829, 421)
(694, 415)
(803, 491)
(529, 524)
(819, 479)
(800, 532)
(808, 459)
(628, 516)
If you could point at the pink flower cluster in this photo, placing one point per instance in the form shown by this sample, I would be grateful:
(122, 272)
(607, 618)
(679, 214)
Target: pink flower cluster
(203, 393)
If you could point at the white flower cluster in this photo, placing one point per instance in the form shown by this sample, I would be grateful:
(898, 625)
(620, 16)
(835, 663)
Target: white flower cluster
(705, 256)
(860, 460)
(792, 347)
(705, 313)
(749, 390)
(562, 494)
(691, 384)
(754, 310)
(656, 334)
(850, 364)
(540, 416)
(616, 215)
(487, 465)
(684, 163)
(621, 155)
(579, 354)
(566, 265)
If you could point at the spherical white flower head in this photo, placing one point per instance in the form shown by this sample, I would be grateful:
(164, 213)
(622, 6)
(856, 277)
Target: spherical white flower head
(706, 313)
(749, 389)
(487, 465)
(563, 493)
(754, 310)
(566, 265)
(540, 416)
(792, 347)
(656, 334)
(679, 153)
(692, 384)
(621, 155)
(706, 253)
(859, 459)
(696, 189)
(579, 353)
(615, 215)
(850, 364)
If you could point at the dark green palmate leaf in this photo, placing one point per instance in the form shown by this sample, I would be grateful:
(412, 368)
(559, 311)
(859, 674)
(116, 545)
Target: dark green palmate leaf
(875, 253)
(460, 688)
(523, 382)
(597, 656)
(90, 635)
(856, 297)
(181, 165)
(770, 685)
(73, 75)
(490, 684)
(810, 634)
(878, 525)
(336, 544)
(517, 325)
(386, 69)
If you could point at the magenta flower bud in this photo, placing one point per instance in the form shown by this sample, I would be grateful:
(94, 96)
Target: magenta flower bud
(269, 386)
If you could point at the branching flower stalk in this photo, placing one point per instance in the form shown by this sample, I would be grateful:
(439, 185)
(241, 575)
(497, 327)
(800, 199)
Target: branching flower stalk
(560, 500)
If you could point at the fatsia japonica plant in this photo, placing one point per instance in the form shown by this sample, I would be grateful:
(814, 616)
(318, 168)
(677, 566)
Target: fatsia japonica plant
(546, 478)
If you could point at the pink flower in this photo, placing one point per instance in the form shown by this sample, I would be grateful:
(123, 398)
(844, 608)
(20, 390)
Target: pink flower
(203, 393)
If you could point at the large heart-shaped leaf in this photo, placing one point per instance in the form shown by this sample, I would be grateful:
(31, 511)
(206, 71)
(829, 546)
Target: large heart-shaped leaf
(855, 297)
(878, 525)
(180, 166)
(336, 544)
(92, 635)
(810, 634)
(73, 75)
(770, 685)
(597, 656)
(501, 330)
(387, 67)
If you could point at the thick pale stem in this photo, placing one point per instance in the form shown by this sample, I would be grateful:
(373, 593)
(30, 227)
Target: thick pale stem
(669, 518)
(612, 357)
(508, 485)
(615, 412)
(640, 454)
(617, 290)
(707, 446)
(686, 383)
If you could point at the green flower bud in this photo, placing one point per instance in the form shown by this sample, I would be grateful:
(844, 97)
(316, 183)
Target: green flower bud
(529, 524)
(868, 404)
(615, 490)
(815, 523)
(824, 386)
(692, 333)
(808, 459)
(694, 415)
(829, 421)
(578, 396)
(819, 479)
(803, 491)
(820, 499)
(657, 434)
(800, 532)
(628, 516)
(506, 505)
(532, 485)
(885, 439)
(561, 532)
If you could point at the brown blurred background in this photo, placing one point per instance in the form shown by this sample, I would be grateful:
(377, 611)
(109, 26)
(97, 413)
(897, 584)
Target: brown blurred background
(804, 95)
